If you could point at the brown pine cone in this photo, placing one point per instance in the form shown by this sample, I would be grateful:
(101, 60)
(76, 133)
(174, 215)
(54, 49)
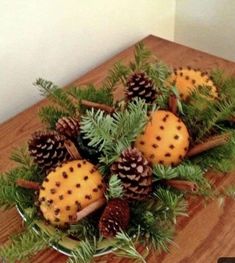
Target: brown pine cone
(135, 173)
(114, 218)
(141, 86)
(47, 149)
(68, 126)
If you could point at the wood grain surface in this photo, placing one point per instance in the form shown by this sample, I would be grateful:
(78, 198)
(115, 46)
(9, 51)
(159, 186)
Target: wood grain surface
(209, 232)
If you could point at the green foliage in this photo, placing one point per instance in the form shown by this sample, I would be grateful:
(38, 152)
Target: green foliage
(84, 252)
(203, 115)
(10, 193)
(142, 56)
(22, 246)
(49, 115)
(162, 172)
(170, 205)
(85, 229)
(57, 95)
(117, 74)
(126, 248)
(91, 93)
(186, 171)
(113, 134)
(115, 188)
(221, 158)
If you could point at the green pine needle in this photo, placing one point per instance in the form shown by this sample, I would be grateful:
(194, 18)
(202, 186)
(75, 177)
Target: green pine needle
(162, 172)
(57, 95)
(90, 92)
(118, 73)
(170, 205)
(115, 188)
(126, 248)
(49, 115)
(113, 134)
(84, 252)
(22, 246)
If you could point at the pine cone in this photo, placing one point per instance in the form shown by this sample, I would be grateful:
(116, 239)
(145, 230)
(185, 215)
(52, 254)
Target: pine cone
(141, 86)
(114, 218)
(135, 173)
(68, 126)
(47, 149)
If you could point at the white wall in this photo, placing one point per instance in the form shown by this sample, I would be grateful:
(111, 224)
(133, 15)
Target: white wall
(59, 40)
(208, 25)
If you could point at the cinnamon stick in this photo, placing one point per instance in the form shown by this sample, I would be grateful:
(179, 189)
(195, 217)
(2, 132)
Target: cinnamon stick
(28, 184)
(183, 185)
(212, 142)
(90, 208)
(95, 105)
(172, 103)
(72, 150)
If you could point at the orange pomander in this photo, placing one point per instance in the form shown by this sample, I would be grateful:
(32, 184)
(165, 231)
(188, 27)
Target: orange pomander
(165, 139)
(187, 79)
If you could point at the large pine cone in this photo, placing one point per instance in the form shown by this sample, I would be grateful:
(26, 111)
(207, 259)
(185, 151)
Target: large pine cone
(114, 218)
(135, 173)
(68, 126)
(141, 86)
(47, 149)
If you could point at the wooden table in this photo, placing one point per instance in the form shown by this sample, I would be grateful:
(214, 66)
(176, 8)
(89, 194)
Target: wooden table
(209, 232)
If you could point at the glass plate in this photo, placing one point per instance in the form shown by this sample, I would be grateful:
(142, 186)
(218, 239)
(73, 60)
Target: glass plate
(66, 245)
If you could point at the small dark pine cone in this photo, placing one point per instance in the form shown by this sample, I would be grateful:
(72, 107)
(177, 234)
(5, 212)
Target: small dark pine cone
(135, 173)
(114, 218)
(47, 149)
(141, 86)
(68, 126)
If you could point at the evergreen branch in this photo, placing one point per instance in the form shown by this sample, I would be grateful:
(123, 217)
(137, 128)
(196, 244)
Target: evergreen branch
(221, 158)
(21, 156)
(170, 205)
(97, 127)
(142, 55)
(22, 246)
(126, 248)
(100, 95)
(158, 72)
(113, 134)
(118, 73)
(115, 188)
(84, 252)
(86, 228)
(49, 115)
(162, 172)
(56, 94)
(10, 193)
(153, 230)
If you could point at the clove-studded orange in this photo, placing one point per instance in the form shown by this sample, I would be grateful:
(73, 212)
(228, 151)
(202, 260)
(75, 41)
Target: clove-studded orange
(68, 189)
(165, 139)
(186, 80)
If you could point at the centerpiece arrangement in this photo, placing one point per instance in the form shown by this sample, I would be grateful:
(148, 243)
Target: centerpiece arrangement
(111, 173)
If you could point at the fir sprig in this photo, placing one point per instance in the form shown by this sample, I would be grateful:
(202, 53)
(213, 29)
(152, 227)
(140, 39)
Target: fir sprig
(85, 229)
(170, 205)
(90, 92)
(22, 246)
(56, 94)
(126, 247)
(142, 56)
(49, 115)
(112, 134)
(115, 188)
(84, 252)
(118, 73)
